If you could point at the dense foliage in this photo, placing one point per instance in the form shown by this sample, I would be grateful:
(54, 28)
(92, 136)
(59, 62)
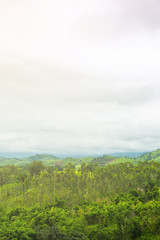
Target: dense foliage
(116, 202)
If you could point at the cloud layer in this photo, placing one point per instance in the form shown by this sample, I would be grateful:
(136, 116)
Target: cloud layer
(79, 77)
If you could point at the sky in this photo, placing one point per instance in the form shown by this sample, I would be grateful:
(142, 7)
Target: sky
(79, 77)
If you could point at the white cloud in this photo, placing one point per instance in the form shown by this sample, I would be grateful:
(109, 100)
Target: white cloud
(79, 77)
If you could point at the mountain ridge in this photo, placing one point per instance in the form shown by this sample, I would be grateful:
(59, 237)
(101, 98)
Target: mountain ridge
(114, 158)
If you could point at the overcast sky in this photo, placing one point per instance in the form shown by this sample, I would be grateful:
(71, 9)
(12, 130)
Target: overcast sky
(79, 76)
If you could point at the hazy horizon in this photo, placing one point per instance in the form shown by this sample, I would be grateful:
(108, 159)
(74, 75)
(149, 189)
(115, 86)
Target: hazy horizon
(22, 155)
(79, 76)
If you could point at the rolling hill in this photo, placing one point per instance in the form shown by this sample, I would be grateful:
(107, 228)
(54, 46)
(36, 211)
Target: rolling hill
(154, 155)
(51, 160)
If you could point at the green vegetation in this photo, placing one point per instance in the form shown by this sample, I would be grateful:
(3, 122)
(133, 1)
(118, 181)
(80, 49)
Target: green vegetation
(155, 155)
(53, 161)
(114, 202)
(48, 160)
(105, 160)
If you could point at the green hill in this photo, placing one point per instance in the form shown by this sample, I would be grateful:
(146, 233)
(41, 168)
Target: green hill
(51, 160)
(103, 160)
(6, 161)
(45, 158)
(48, 160)
(40, 157)
(154, 155)
(127, 154)
(113, 159)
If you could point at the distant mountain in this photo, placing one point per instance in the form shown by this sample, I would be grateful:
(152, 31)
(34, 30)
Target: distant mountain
(19, 155)
(46, 158)
(128, 154)
(116, 158)
(8, 161)
(51, 160)
(40, 157)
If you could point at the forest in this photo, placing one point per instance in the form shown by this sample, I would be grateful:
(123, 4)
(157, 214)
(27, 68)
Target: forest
(119, 201)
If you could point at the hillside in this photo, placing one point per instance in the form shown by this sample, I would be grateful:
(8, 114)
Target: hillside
(40, 157)
(116, 202)
(6, 161)
(105, 160)
(154, 155)
(48, 160)
(24, 161)
(51, 160)
(127, 154)
(119, 158)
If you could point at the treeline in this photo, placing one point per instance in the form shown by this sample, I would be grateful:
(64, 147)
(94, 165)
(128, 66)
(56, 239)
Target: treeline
(115, 202)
